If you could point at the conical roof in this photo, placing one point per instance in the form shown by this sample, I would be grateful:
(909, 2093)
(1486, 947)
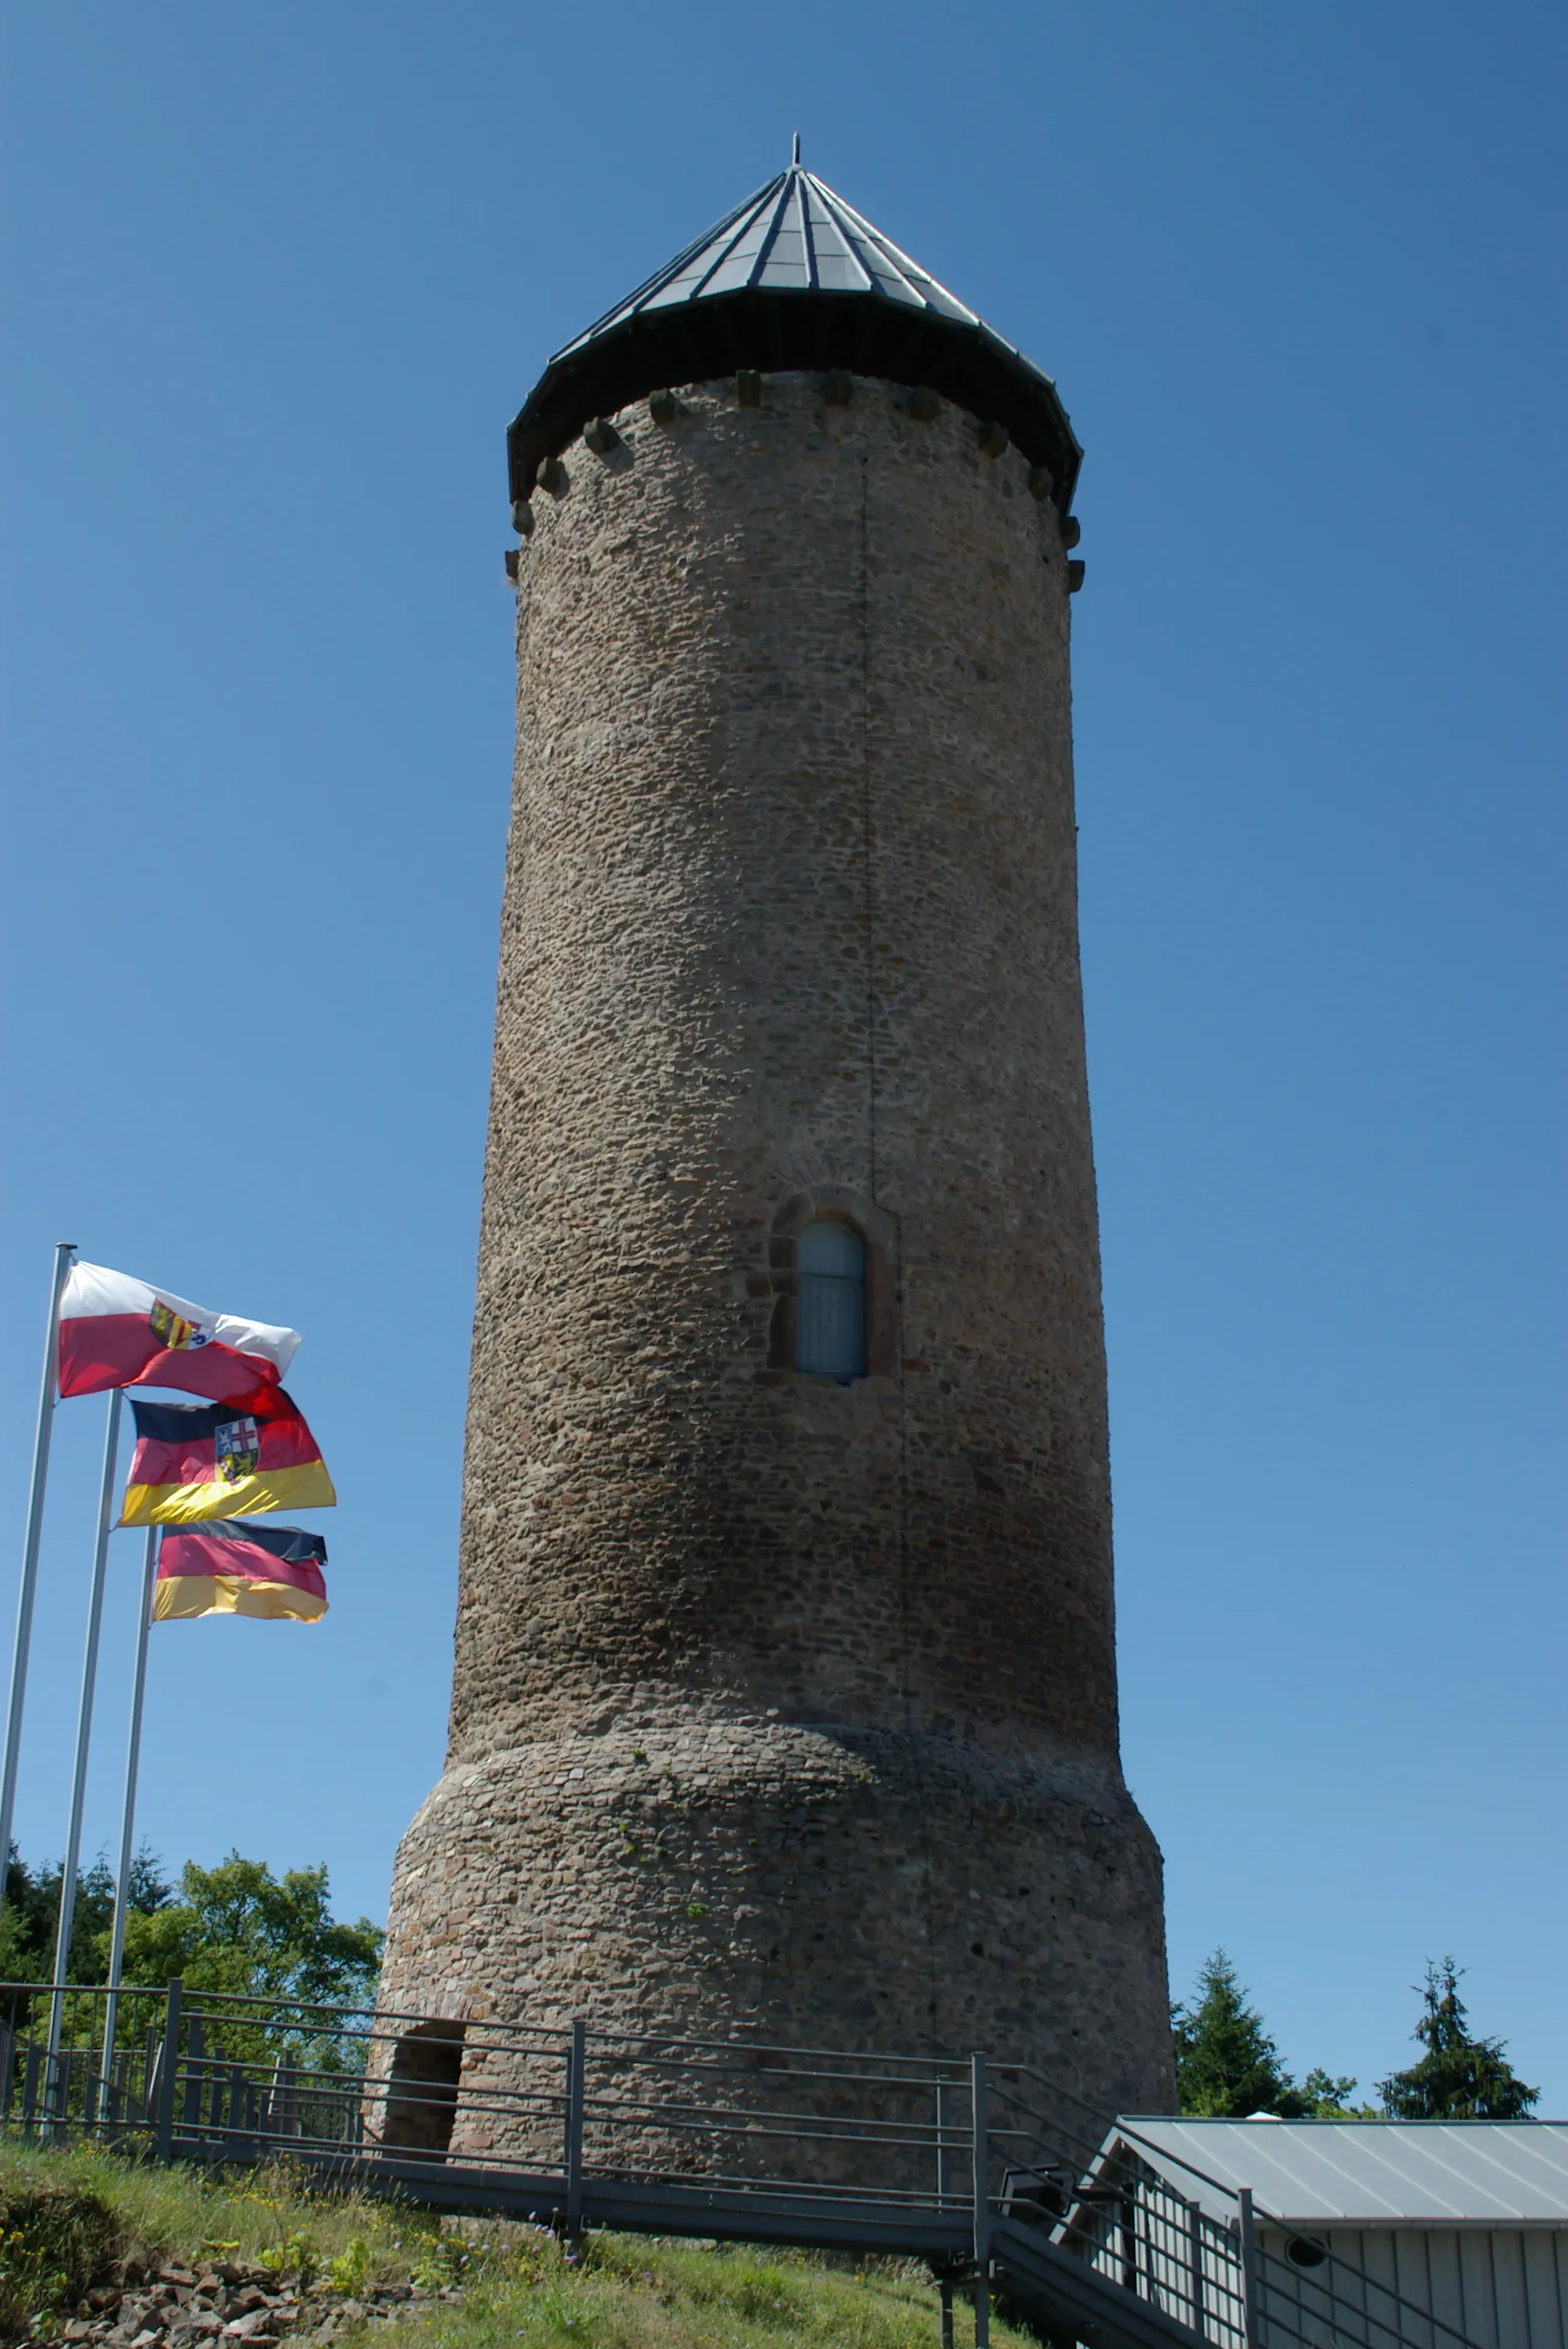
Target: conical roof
(794, 278)
(794, 235)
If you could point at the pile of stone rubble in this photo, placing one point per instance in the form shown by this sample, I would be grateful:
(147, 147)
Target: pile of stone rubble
(173, 2307)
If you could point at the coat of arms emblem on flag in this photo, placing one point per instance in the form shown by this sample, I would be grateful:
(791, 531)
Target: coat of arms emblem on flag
(171, 1330)
(238, 1446)
(119, 1333)
(197, 1461)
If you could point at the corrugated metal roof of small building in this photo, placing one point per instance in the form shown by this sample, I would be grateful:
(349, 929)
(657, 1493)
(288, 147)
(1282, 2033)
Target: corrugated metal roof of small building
(1370, 2173)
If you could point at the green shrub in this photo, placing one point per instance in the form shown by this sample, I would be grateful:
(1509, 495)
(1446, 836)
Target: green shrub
(297, 2256)
(350, 2270)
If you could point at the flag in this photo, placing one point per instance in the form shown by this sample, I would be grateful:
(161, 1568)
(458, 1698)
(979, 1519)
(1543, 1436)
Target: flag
(119, 1332)
(195, 1461)
(238, 1568)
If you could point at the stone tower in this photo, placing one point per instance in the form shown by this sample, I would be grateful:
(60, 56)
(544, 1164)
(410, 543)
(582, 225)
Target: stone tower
(785, 1690)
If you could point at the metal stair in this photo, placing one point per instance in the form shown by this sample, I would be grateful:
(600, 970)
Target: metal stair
(1001, 2181)
(1066, 2300)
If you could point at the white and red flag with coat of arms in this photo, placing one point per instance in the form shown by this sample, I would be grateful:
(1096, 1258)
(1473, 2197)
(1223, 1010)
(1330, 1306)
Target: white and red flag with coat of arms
(119, 1332)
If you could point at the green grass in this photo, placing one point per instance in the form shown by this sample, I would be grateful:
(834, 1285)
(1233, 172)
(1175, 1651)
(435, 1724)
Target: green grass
(66, 2216)
(180, 2212)
(633, 2292)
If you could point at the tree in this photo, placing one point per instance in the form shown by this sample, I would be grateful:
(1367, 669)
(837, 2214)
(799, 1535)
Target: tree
(1459, 2078)
(239, 1928)
(1226, 2063)
(1328, 2099)
(1228, 2067)
(31, 1915)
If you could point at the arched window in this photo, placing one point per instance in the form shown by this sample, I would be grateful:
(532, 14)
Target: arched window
(830, 1302)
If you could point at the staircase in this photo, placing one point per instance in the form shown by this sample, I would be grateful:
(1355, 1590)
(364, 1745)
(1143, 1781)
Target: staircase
(1002, 2183)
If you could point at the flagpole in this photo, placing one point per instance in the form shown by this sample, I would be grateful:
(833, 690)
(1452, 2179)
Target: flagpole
(64, 1252)
(84, 1727)
(128, 1815)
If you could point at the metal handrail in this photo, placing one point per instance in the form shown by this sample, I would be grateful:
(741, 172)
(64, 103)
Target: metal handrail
(340, 2085)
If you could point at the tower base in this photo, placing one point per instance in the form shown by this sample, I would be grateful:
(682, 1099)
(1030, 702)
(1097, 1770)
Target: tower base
(713, 1875)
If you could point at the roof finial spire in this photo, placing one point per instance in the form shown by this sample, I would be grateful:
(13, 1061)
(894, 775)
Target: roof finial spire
(795, 157)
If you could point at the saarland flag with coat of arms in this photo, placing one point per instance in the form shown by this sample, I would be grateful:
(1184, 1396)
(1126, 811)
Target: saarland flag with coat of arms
(194, 1461)
(119, 1332)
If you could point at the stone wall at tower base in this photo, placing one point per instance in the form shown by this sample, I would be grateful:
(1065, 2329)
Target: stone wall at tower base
(809, 1883)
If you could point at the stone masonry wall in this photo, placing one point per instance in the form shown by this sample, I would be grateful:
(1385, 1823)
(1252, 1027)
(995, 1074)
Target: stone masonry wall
(782, 1704)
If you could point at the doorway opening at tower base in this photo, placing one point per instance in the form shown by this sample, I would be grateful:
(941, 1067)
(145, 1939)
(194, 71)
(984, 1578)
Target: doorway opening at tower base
(422, 2089)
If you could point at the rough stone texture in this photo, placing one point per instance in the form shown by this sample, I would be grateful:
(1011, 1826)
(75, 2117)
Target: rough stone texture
(173, 2307)
(781, 1704)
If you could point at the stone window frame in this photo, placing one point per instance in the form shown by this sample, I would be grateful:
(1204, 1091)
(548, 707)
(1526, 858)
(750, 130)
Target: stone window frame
(878, 1234)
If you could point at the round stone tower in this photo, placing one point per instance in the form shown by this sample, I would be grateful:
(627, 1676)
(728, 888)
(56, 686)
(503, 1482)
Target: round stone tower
(784, 1692)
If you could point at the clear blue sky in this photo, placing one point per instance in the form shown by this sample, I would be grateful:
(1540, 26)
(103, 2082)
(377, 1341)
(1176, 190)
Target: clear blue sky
(278, 278)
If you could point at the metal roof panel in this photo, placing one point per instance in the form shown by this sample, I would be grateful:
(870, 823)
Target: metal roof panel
(795, 233)
(841, 272)
(1372, 2173)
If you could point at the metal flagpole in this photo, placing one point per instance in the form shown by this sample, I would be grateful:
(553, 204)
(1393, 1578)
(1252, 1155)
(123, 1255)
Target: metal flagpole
(84, 1728)
(128, 1816)
(63, 1254)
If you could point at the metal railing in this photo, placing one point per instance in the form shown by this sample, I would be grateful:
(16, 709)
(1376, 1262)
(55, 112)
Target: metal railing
(990, 2172)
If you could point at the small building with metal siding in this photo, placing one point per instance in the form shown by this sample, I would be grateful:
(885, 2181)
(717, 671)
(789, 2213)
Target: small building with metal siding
(1466, 2220)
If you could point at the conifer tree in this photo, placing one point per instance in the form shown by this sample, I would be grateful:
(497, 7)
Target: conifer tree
(31, 1916)
(1459, 2078)
(1228, 2066)
(1226, 2063)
